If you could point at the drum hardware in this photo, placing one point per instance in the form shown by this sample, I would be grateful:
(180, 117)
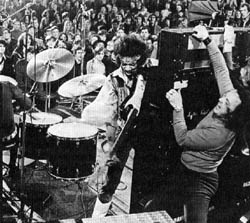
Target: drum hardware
(51, 65)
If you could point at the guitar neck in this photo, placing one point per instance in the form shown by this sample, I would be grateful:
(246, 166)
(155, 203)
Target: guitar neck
(124, 133)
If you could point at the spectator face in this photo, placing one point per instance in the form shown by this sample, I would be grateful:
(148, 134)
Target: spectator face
(100, 55)
(120, 33)
(144, 34)
(115, 9)
(5, 24)
(103, 10)
(237, 14)
(50, 43)
(155, 44)
(178, 8)
(93, 39)
(55, 33)
(23, 27)
(244, 12)
(153, 19)
(63, 37)
(77, 4)
(110, 46)
(67, 26)
(6, 35)
(68, 5)
(128, 20)
(132, 5)
(119, 17)
(78, 55)
(109, 7)
(115, 26)
(29, 56)
(229, 13)
(103, 37)
(2, 49)
(167, 5)
(139, 20)
(245, 74)
(36, 23)
(129, 65)
(61, 44)
(184, 23)
(17, 25)
(180, 13)
(139, 5)
(227, 104)
(149, 44)
(77, 37)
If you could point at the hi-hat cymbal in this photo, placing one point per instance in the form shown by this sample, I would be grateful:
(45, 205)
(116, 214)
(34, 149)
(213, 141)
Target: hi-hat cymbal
(50, 65)
(81, 85)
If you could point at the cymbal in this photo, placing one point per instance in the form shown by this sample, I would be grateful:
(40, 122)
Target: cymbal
(50, 65)
(81, 85)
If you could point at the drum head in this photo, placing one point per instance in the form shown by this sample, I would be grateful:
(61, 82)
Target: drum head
(73, 131)
(43, 118)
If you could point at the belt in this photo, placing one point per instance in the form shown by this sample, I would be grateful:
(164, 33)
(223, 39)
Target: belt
(9, 137)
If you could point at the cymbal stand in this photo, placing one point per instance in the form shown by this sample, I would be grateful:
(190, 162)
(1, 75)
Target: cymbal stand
(81, 103)
(48, 88)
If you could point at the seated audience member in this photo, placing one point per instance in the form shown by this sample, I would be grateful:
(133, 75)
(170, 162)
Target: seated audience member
(10, 42)
(95, 65)
(6, 64)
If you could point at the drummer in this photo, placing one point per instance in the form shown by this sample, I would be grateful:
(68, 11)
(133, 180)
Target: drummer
(106, 109)
(8, 132)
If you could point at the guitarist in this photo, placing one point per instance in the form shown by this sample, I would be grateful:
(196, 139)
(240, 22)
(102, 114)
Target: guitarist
(122, 90)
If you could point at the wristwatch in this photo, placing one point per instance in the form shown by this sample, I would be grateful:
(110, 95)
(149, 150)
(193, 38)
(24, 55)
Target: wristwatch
(207, 41)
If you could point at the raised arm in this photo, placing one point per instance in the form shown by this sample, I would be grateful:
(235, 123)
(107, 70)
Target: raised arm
(219, 65)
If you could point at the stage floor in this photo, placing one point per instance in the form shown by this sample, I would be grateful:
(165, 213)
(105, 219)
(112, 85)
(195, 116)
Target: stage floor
(55, 198)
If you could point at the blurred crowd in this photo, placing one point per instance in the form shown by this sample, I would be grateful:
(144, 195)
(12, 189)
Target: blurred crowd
(90, 28)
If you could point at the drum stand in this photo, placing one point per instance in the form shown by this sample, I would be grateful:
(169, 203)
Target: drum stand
(48, 96)
(48, 85)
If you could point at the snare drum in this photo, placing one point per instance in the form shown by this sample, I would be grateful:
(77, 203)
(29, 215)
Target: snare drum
(37, 124)
(73, 151)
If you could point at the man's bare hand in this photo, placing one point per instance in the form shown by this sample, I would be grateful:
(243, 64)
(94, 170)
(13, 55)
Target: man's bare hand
(175, 99)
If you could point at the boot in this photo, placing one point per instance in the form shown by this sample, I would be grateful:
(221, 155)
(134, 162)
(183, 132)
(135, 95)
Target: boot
(100, 209)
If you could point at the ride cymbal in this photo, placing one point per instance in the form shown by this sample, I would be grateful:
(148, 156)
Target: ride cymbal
(50, 65)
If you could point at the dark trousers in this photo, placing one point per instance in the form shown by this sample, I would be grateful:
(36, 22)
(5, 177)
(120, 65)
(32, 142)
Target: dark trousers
(185, 187)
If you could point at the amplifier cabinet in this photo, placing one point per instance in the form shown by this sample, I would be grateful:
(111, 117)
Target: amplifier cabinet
(179, 51)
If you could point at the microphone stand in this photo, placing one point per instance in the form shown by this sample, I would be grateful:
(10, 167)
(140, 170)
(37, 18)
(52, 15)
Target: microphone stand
(19, 10)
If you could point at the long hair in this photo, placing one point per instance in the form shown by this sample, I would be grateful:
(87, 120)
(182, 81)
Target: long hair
(241, 115)
(130, 46)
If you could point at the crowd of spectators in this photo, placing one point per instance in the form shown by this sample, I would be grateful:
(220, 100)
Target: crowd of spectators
(93, 26)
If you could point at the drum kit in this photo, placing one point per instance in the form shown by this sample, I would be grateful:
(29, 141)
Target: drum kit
(69, 148)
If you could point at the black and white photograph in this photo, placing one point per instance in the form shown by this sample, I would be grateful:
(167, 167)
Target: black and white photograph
(125, 111)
